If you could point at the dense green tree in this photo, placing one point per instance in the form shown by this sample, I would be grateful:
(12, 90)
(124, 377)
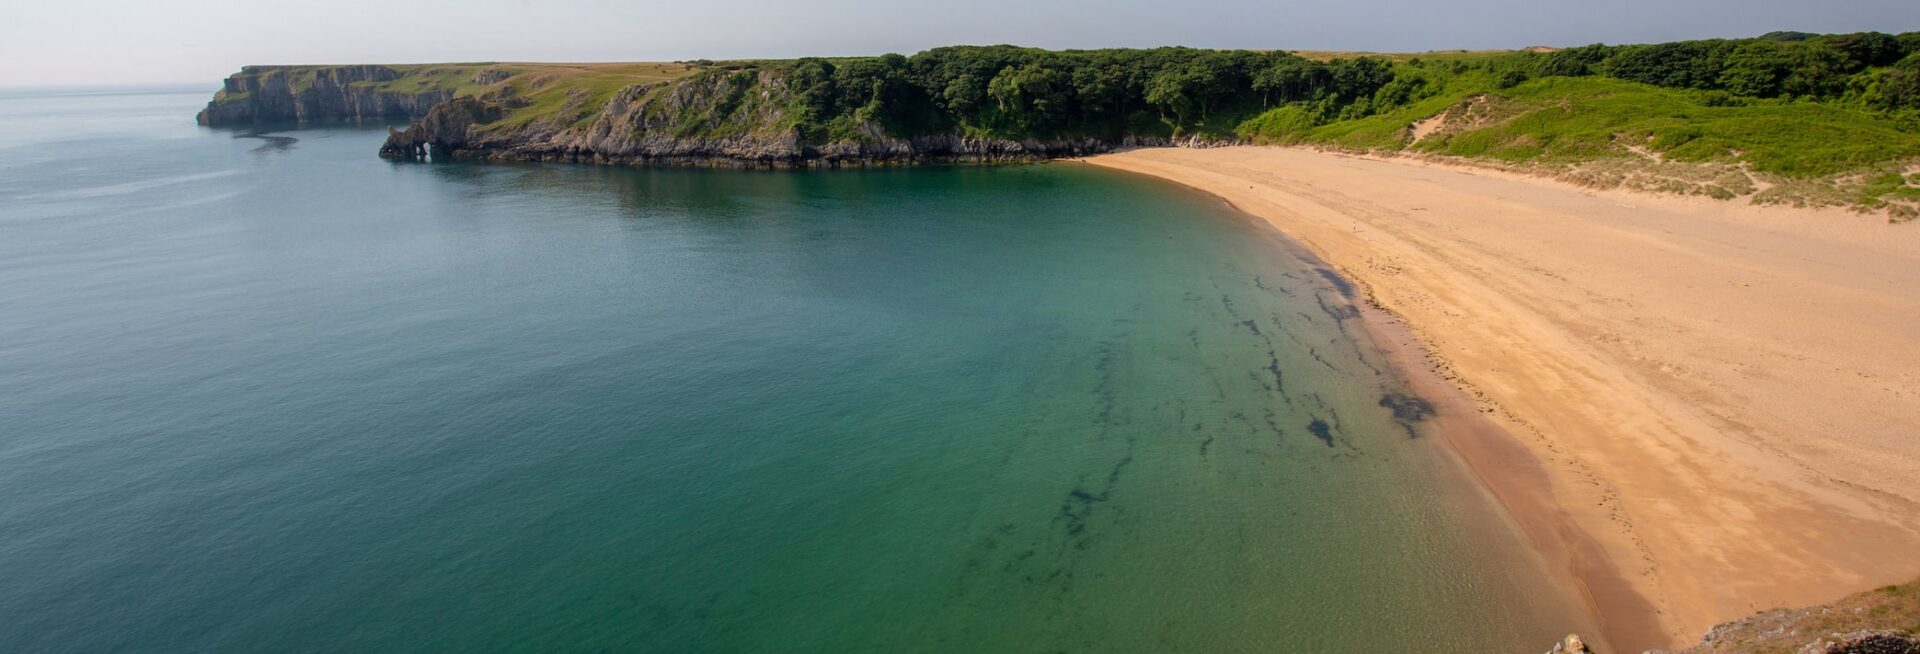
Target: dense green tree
(1757, 68)
(1865, 49)
(1291, 78)
(1033, 98)
(1030, 92)
(1572, 62)
(1683, 64)
(1899, 86)
(1509, 79)
(811, 81)
(1351, 79)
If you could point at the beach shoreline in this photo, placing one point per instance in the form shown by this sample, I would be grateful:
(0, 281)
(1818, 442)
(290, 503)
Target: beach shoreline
(1603, 388)
(1486, 454)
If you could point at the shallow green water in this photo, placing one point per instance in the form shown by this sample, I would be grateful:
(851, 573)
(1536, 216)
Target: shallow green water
(274, 395)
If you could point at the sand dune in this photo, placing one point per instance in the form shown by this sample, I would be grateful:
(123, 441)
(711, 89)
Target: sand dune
(1723, 397)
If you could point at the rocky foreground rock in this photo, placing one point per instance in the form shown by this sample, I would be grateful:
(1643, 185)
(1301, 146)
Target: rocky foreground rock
(1885, 620)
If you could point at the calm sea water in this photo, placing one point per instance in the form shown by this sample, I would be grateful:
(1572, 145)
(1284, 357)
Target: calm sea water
(271, 393)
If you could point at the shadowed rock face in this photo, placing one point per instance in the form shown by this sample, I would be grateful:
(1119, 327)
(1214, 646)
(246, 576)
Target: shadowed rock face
(309, 94)
(444, 130)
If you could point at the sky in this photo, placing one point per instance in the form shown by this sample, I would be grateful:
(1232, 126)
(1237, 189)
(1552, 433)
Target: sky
(113, 42)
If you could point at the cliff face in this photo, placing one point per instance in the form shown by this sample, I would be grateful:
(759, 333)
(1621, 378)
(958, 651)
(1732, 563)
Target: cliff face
(742, 119)
(310, 94)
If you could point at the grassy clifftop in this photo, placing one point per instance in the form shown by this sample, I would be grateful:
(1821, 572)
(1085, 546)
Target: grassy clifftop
(268, 94)
(1883, 620)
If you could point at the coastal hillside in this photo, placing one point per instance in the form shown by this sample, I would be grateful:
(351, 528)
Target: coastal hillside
(266, 95)
(1784, 118)
(1884, 620)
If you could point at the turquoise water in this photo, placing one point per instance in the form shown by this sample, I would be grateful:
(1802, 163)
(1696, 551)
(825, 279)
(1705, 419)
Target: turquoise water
(276, 394)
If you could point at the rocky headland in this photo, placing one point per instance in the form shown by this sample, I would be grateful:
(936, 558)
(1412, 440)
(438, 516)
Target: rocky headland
(317, 94)
(738, 115)
(707, 120)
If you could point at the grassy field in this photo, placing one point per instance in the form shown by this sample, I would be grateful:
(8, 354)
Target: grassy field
(566, 92)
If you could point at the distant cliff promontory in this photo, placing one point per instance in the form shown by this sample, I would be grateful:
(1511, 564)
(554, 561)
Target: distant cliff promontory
(308, 94)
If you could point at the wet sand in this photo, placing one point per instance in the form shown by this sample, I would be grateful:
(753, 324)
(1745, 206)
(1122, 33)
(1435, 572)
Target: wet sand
(1698, 409)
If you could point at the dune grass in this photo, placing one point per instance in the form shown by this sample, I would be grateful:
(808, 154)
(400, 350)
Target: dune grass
(1568, 120)
(1571, 119)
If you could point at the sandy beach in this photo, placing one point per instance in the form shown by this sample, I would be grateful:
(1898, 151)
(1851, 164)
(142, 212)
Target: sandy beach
(1700, 408)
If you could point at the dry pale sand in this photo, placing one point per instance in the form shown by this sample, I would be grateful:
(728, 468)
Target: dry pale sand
(1719, 400)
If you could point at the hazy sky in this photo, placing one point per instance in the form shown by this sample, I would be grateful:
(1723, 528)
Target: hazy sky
(46, 42)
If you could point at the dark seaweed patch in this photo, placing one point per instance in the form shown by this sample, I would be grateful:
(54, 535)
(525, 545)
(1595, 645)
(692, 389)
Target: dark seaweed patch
(270, 143)
(1103, 389)
(1079, 503)
(1346, 289)
(1407, 410)
(1279, 377)
(1315, 353)
(1273, 423)
(1321, 430)
(1339, 312)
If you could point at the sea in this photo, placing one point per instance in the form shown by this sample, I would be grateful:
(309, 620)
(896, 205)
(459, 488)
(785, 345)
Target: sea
(261, 390)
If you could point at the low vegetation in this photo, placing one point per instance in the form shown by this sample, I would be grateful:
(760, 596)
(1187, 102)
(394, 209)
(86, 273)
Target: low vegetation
(1789, 118)
(1885, 619)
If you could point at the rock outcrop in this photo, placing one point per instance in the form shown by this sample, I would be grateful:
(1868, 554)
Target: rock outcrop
(1884, 620)
(316, 94)
(1572, 644)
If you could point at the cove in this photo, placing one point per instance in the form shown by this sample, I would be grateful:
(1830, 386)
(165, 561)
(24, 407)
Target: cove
(273, 393)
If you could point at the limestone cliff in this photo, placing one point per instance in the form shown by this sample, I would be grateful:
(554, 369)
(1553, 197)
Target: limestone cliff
(316, 94)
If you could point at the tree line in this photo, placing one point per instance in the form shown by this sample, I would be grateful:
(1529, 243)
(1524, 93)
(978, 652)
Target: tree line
(1026, 92)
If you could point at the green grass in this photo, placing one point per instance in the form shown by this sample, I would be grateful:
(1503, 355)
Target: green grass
(1570, 120)
(457, 79)
(1388, 130)
(568, 95)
